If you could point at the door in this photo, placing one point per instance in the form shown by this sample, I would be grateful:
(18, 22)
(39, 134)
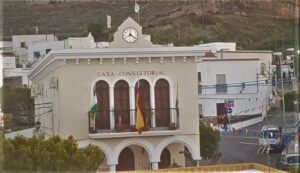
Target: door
(162, 103)
(221, 113)
(102, 114)
(121, 98)
(165, 159)
(126, 160)
(144, 88)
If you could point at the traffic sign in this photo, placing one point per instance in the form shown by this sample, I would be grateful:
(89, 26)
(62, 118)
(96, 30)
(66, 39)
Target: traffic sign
(229, 110)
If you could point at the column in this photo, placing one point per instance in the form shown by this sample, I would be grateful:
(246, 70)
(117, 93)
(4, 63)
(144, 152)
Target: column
(132, 104)
(172, 112)
(154, 165)
(152, 101)
(111, 106)
(112, 168)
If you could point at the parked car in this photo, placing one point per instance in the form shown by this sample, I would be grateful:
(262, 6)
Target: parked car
(288, 161)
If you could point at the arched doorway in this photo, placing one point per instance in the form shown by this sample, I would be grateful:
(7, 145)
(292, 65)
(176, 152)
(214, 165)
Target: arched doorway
(102, 115)
(165, 159)
(126, 160)
(162, 103)
(121, 100)
(144, 88)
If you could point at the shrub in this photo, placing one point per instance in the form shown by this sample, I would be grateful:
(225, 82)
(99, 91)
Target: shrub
(54, 154)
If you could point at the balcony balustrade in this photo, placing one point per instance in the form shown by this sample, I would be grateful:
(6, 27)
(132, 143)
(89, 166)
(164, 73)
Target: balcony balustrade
(118, 121)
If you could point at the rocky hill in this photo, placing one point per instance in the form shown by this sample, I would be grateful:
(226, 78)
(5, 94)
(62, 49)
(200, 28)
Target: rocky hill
(252, 24)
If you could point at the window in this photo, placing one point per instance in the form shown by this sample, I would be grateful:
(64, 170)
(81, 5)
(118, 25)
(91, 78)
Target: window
(121, 100)
(23, 44)
(199, 76)
(162, 103)
(102, 115)
(37, 54)
(48, 50)
(200, 110)
(199, 89)
(144, 88)
(221, 86)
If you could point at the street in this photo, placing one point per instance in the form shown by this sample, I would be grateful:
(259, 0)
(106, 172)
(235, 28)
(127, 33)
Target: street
(239, 147)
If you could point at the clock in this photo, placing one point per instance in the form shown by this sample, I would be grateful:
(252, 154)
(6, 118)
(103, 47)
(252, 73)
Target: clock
(130, 35)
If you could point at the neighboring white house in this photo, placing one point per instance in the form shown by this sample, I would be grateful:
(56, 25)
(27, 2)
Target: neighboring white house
(80, 42)
(235, 82)
(22, 42)
(214, 47)
(39, 50)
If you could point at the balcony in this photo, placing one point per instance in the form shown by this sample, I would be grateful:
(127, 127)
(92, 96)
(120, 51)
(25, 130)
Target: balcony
(121, 123)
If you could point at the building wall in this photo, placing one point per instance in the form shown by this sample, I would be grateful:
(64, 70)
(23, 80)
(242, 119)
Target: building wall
(247, 101)
(42, 47)
(21, 51)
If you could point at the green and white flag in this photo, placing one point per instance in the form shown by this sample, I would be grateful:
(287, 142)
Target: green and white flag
(93, 107)
(92, 113)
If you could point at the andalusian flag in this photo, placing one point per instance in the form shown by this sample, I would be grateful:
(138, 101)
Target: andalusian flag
(139, 115)
(92, 112)
(94, 107)
(176, 101)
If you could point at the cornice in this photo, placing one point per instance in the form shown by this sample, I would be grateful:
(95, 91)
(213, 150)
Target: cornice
(67, 54)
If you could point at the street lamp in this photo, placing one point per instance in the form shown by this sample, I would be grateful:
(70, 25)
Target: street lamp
(294, 66)
(279, 54)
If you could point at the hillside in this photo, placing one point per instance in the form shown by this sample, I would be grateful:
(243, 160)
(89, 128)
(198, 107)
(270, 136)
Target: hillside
(251, 25)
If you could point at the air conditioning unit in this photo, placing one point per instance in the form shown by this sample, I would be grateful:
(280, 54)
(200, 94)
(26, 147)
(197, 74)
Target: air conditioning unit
(33, 91)
(53, 83)
(39, 89)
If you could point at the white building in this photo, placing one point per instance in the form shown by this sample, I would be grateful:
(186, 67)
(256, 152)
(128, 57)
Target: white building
(71, 79)
(80, 42)
(239, 80)
(39, 50)
(22, 42)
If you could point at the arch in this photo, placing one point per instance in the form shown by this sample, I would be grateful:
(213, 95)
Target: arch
(122, 102)
(137, 141)
(195, 151)
(101, 90)
(126, 160)
(162, 103)
(165, 159)
(143, 86)
(106, 149)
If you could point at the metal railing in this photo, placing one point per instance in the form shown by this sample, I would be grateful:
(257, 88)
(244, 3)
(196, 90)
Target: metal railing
(106, 121)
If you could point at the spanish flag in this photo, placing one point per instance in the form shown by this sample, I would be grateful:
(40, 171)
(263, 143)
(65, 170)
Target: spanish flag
(139, 115)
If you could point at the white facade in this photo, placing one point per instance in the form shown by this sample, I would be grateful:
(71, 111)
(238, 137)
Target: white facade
(249, 98)
(39, 50)
(9, 62)
(80, 42)
(219, 46)
(22, 42)
(18, 72)
(69, 79)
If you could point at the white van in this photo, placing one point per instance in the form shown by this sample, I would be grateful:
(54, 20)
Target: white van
(270, 135)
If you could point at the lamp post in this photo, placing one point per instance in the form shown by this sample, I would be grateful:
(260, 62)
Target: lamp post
(294, 66)
(279, 54)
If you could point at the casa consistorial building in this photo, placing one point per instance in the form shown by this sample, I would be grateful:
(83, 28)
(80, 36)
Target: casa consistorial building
(70, 81)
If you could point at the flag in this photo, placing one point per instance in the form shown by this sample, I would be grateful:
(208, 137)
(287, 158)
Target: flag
(136, 8)
(139, 115)
(176, 101)
(92, 113)
(93, 107)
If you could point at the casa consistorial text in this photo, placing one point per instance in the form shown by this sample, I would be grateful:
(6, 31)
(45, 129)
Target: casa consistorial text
(132, 73)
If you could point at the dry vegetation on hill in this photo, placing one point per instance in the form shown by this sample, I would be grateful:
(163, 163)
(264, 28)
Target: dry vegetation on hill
(251, 25)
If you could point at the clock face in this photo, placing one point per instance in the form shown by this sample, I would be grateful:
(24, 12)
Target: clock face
(130, 35)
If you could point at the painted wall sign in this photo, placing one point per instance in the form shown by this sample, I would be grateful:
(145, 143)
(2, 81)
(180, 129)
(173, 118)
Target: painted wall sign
(132, 73)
